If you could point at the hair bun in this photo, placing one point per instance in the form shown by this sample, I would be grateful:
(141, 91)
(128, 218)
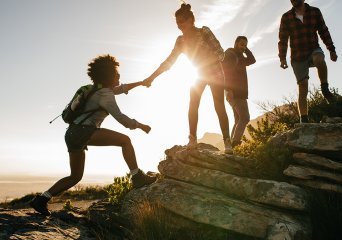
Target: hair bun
(186, 7)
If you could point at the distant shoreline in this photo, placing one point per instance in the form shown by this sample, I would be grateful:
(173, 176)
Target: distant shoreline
(16, 186)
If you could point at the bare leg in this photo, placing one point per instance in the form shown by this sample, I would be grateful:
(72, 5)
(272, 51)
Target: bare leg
(195, 98)
(218, 97)
(106, 137)
(77, 159)
(320, 64)
(302, 97)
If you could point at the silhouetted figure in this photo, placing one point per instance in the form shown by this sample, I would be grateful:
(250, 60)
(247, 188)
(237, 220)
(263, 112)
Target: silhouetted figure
(204, 50)
(104, 73)
(301, 25)
(236, 85)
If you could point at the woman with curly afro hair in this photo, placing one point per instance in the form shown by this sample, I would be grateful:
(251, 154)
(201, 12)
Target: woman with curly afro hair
(104, 73)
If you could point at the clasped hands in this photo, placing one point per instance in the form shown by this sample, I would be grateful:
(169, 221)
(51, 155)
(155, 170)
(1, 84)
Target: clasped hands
(147, 82)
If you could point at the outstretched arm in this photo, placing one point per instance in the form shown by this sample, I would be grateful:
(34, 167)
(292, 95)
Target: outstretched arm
(125, 88)
(166, 65)
(148, 81)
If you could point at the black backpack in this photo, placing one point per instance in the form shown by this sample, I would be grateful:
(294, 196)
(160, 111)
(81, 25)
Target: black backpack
(76, 106)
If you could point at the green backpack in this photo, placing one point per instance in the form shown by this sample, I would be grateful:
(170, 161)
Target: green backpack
(76, 106)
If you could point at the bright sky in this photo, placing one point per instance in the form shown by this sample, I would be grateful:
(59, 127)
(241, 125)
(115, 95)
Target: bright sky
(45, 47)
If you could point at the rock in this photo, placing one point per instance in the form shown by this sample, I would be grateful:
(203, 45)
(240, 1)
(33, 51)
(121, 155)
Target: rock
(317, 161)
(211, 207)
(24, 224)
(278, 194)
(108, 220)
(208, 157)
(323, 139)
(320, 185)
(307, 173)
(327, 119)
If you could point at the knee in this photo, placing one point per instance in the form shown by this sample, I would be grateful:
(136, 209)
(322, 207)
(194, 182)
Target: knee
(76, 178)
(245, 119)
(303, 89)
(126, 141)
(319, 61)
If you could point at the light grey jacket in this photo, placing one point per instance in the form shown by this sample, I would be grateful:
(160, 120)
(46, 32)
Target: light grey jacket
(105, 99)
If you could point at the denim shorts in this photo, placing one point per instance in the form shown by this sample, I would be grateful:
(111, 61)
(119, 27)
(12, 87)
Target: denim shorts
(77, 136)
(301, 69)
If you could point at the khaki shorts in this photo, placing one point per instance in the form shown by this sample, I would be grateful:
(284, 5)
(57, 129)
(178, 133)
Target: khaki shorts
(301, 69)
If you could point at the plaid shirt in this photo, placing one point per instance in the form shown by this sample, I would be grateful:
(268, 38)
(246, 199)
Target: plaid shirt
(303, 35)
(204, 50)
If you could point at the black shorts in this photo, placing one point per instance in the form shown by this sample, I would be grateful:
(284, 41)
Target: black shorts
(77, 137)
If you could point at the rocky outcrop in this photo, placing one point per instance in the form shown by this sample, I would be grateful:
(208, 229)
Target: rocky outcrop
(317, 158)
(204, 186)
(209, 188)
(204, 192)
(324, 139)
(24, 224)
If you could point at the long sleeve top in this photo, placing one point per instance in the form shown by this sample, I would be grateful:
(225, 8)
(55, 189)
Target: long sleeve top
(203, 50)
(105, 99)
(303, 35)
(235, 64)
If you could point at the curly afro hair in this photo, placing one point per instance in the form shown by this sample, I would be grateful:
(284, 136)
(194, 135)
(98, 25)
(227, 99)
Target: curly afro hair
(102, 69)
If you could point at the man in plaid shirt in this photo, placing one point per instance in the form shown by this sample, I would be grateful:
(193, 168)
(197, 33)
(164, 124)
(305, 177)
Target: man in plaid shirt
(301, 25)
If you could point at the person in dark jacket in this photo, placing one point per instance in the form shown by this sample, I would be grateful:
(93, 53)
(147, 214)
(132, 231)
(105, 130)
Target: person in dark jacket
(300, 25)
(236, 85)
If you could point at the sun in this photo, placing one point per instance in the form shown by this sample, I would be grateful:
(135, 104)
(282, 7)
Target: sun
(184, 71)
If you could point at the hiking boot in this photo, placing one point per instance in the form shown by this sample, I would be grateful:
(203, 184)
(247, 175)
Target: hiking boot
(304, 119)
(228, 147)
(140, 179)
(39, 203)
(329, 97)
(192, 141)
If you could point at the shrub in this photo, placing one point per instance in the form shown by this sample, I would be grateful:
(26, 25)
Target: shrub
(118, 189)
(68, 206)
(259, 135)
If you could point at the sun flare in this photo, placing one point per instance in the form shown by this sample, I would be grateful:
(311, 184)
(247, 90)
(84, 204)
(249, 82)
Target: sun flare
(184, 71)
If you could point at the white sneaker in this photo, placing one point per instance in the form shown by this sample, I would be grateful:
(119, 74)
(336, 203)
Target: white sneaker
(192, 141)
(228, 147)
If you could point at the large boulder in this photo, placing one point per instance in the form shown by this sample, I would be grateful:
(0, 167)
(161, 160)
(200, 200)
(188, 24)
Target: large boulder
(324, 139)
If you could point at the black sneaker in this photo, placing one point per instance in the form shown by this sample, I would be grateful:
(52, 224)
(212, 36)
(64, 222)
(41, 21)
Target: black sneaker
(39, 203)
(140, 179)
(304, 119)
